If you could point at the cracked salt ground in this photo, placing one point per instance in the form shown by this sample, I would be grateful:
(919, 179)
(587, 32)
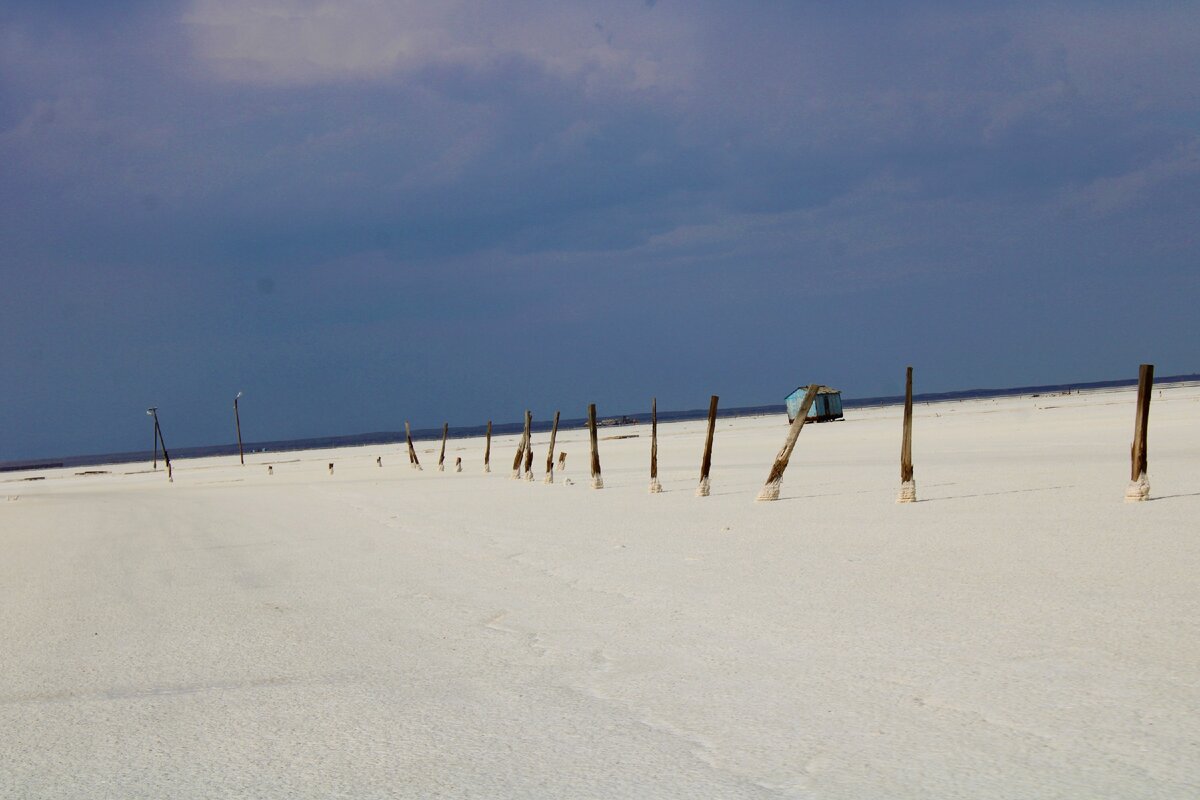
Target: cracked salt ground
(392, 633)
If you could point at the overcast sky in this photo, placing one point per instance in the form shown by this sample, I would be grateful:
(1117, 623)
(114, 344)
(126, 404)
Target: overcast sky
(361, 212)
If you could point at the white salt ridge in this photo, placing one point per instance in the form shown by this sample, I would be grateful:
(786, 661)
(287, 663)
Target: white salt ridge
(382, 632)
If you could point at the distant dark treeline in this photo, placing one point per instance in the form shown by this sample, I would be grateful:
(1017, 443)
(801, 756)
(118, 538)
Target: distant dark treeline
(435, 434)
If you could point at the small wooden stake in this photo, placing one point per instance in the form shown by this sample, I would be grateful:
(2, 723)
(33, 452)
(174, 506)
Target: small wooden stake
(412, 451)
(458, 464)
(655, 486)
(706, 462)
(908, 486)
(517, 459)
(529, 461)
(562, 461)
(550, 452)
(597, 478)
(1139, 480)
(442, 457)
(770, 490)
(487, 449)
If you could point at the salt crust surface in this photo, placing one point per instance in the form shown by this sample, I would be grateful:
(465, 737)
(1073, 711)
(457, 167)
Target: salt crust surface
(1020, 631)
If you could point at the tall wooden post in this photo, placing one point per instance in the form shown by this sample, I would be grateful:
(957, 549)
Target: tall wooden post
(706, 462)
(770, 490)
(237, 421)
(1139, 480)
(517, 459)
(442, 456)
(550, 452)
(908, 486)
(655, 486)
(412, 451)
(166, 455)
(487, 449)
(597, 479)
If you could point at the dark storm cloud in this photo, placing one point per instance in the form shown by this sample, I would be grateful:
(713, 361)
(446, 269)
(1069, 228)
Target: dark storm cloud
(605, 200)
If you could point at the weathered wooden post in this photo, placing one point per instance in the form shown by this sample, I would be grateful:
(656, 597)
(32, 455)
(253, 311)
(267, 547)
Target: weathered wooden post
(597, 478)
(562, 461)
(908, 486)
(655, 486)
(237, 421)
(412, 451)
(487, 449)
(379, 461)
(529, 460)
(770, 490)
(330, 467)
(1139, 481)
(458, 464)
(550, 452)
(706, 462)
(442, 456)
(519, 457)
(270, 469)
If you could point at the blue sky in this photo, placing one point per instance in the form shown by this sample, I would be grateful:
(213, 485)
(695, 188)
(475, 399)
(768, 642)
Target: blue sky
(364, 212)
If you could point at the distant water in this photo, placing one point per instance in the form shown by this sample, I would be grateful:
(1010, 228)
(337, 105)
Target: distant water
(541, 426)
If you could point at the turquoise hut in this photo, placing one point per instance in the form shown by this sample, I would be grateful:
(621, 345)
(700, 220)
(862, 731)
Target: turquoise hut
(826, 407)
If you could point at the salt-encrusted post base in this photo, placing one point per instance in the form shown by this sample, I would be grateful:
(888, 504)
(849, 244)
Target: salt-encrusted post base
(597, 482)
(516, 476)
(703, 488)
(458, 465)
(1138, 490)
(486, 468)
(441, 467)
(769, 492)
(655, 486)
(529, 476)
(908, 492)
(549, 478)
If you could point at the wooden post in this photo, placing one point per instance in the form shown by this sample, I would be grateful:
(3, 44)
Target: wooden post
(550, 452)
(379, 461)
(706, 462)
(908, 486)
(562, 461)
(517, 459)
(597, 479)
(1139, 480)
(237, 421)
(529, 460)
(487, 449)
(412, 451)
(655, 486)
(442, 457)
(458, 464)
(770, 490)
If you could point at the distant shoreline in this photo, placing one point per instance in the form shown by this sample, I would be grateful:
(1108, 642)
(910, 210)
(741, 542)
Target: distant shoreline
(509, 428)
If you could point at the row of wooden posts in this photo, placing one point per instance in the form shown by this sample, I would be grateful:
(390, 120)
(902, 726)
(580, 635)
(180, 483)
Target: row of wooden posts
(1139, 486)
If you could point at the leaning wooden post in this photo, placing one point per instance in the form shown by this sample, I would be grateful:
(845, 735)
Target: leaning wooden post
(412, 451)
(487, 449)
(908, 486)
(706, 462)
(517, 459)
(550, 452)
(1139, 481)
(597, 479)
(655, 486)
(442, 456)
(770, 490)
